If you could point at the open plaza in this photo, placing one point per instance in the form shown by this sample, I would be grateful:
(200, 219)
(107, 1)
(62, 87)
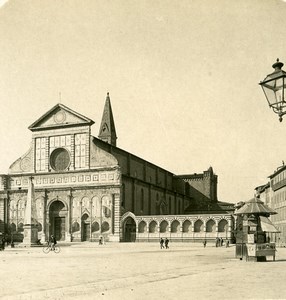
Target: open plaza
(139, 271)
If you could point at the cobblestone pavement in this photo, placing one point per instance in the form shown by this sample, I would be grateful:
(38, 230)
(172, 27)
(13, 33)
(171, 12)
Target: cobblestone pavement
(139, 271)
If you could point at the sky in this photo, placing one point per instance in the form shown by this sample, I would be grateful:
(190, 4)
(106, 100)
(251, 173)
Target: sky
(182, 76)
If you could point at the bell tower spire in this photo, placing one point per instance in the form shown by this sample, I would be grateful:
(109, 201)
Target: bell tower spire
(107, 132)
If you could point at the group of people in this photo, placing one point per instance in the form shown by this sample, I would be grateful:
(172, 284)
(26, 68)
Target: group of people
(164, 243)
(219, 242)
(5, 239)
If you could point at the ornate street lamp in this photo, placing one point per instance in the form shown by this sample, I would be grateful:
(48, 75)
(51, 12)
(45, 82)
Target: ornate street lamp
(274, 88)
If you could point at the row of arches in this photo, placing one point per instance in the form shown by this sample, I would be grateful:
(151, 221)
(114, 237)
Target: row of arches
(187, 226)
(20, 227)
(95, 227)
(88, 229)
(96, 204)
(56, 222)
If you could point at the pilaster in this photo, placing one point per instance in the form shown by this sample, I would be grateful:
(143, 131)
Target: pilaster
(116, 218)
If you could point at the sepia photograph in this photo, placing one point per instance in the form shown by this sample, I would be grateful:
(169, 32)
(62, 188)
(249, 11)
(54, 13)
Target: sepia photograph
(141, 149)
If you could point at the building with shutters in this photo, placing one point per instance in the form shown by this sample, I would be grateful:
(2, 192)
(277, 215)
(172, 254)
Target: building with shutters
(273, 194)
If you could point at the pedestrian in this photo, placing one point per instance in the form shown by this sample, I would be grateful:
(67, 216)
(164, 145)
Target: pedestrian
(162, 243)
(52, 242)
(3, 243)
(166, 243)
(205, 243)
(217, 242)
(227, 243)
(100, 241)
(221, 242)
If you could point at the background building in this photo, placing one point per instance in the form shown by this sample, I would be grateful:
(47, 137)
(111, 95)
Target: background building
(273, 194)
(86, 187)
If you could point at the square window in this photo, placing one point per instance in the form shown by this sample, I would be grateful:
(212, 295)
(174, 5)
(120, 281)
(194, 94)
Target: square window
(52, 141)
(77, 139)
(57, 141)
(38, 154)
(76, 162)
(38, 144)
(82, 150)
(77, 150)
(43, 142)
(82, 140)
(68, 140)
(63, 141)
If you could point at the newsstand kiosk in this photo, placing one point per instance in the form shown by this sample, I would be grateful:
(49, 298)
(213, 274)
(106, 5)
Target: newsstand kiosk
(252, 226)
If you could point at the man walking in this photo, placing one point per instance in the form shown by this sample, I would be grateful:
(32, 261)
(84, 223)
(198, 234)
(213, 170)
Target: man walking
(162, 243)
(166, 243)
(205, 243)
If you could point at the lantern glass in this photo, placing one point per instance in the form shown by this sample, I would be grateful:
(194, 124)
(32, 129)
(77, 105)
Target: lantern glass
(274, 91)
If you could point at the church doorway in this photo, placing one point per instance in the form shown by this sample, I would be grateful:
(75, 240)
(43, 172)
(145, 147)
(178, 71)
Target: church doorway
(85, 227)
(129, 230)
(59, 228)
(58, 217)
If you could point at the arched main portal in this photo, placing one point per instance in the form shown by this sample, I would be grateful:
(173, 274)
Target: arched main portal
(58, 219)
(129, 230)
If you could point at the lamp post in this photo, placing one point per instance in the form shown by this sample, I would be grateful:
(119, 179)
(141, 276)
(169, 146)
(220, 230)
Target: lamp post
(274, 88)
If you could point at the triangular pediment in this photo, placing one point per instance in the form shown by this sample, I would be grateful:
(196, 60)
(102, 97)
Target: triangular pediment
(60, 116)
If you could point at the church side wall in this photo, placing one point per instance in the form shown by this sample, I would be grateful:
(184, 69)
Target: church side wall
(143, 198)
(128, 196)
(150, 173)
(169, 181)
(179, 185)
(136, 168)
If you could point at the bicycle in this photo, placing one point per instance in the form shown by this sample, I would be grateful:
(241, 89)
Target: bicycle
(47, 248)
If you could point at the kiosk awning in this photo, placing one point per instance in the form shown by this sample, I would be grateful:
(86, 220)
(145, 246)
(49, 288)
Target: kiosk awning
(267, 225)
(255, 206)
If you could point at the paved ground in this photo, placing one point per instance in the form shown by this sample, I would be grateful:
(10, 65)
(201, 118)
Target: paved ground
(139, 271)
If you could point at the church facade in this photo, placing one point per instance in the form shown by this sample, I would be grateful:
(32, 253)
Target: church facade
(87, 187)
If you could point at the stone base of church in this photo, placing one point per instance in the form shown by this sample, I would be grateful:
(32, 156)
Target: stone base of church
(43, 239)
(30, 235)
(68, 237)
(114, 238)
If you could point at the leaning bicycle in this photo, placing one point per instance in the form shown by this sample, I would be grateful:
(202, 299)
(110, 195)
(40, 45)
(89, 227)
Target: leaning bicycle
(48, 247)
